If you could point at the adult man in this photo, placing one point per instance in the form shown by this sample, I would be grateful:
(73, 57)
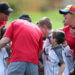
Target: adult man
(69, 19)
(26, 44)
(45, 26)
(5, 11)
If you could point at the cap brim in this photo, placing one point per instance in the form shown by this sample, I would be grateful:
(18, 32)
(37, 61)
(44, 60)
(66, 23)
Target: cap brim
(10, 10)
(64, 11)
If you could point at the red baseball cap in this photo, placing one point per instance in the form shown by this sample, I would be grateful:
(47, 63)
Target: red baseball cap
(68, 9)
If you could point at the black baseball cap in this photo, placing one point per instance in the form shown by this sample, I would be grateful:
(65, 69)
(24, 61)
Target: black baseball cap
(25, 17)
(4, 8)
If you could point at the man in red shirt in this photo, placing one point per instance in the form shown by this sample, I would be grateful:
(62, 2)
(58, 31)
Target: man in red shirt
(69, 20)
(26, 44)
(5, 11)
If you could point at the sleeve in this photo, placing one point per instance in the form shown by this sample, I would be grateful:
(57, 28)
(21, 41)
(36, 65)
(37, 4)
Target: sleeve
(63, 29)
(59, 55)
(68, 51)
(5, 54)
(66, 29)
(41, 43)
(46, 43)
(9, 31)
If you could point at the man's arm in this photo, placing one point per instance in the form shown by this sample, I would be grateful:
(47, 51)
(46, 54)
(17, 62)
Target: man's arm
(4, 41)
(40, 53)
(61, 70)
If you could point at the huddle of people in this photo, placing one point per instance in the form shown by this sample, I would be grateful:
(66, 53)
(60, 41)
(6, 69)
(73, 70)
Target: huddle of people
(37, 45)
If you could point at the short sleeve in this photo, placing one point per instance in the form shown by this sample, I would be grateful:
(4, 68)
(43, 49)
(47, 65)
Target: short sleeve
(9, 31)
(46, 43)
(59, 55)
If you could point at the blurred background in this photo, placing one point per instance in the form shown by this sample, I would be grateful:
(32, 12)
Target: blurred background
(38, 9)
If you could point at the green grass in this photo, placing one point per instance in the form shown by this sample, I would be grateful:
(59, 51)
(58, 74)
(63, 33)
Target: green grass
(54, 16)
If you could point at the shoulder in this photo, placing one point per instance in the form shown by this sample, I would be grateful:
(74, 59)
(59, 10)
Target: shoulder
(66, 28)
(18, 21)
(58, 50)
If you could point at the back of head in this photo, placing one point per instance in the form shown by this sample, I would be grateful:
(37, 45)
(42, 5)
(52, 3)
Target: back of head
(59, 36)
(45, 21)
(25, 17)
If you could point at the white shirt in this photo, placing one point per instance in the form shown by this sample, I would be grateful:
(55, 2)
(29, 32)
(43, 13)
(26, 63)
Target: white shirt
(69, 58)
(51, 61)
(3, 55)
(48, 68)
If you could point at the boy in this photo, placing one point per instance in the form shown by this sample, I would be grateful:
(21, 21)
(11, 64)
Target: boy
(54, 62)
(3, 57)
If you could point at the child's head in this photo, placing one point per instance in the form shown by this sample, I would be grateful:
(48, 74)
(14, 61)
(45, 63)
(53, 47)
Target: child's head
(57, 37)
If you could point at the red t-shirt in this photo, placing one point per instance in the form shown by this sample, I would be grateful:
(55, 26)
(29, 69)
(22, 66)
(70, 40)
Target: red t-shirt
(69, 38)
(2, 23)
(26, 41)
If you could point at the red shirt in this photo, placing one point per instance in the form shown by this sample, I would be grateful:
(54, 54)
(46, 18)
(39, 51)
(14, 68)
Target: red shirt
(69, 38)
(2, 23)
(26, 41)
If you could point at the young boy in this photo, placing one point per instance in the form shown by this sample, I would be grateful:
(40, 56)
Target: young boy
(54, 55)
(3, 56)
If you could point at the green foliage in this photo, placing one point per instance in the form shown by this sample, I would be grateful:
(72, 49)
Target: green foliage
(54, 16)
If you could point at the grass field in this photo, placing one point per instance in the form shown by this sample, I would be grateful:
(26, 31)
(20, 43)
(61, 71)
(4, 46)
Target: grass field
(54, 16)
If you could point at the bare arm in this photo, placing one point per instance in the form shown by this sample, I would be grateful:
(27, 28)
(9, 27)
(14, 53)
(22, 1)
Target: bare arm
(61, 70)
(4, 41)
(40, 53)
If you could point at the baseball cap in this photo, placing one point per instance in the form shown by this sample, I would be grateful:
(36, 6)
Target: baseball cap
(68, 9)
(25, 17)
(4, 8)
